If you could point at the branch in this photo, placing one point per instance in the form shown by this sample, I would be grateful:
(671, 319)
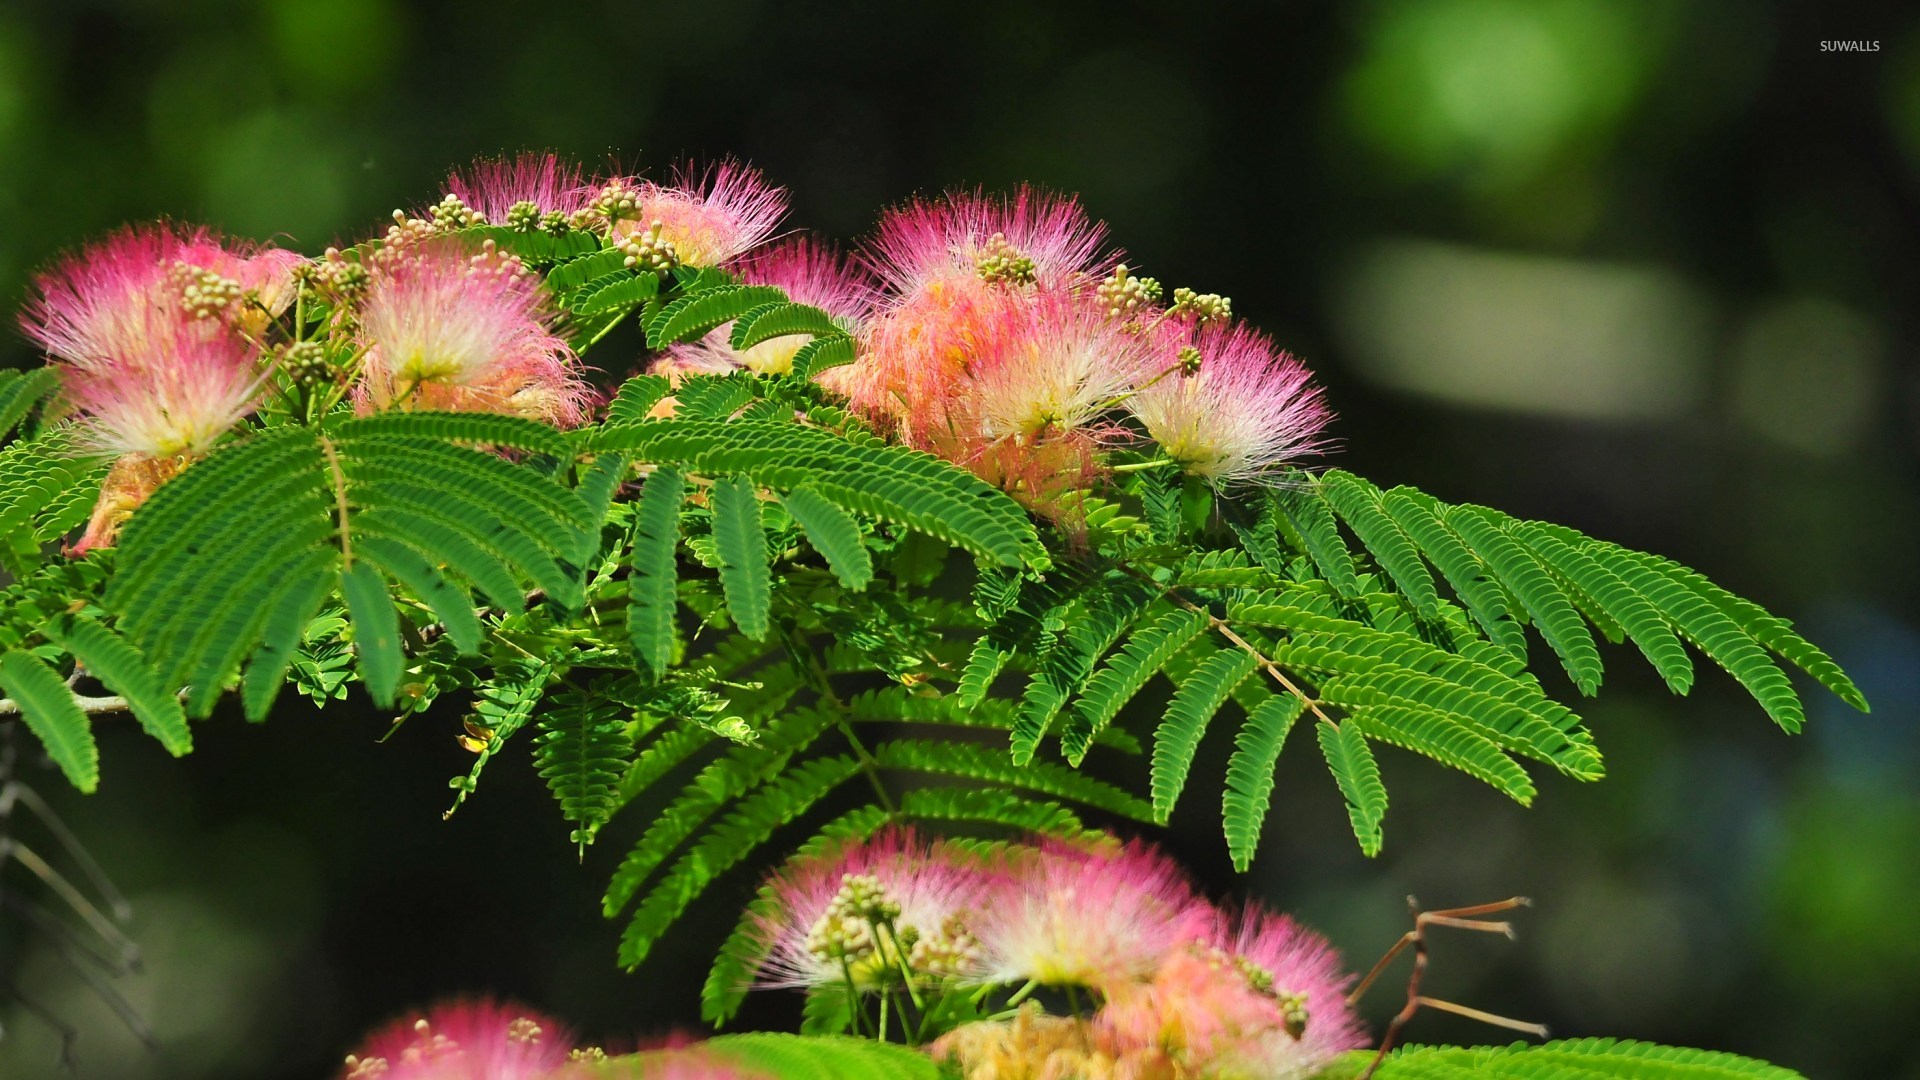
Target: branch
(112, 703)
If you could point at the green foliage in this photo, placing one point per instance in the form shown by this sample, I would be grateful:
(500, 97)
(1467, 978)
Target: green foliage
(1571, 1059)
(52, 714)
(21, 392)
(822, 1057)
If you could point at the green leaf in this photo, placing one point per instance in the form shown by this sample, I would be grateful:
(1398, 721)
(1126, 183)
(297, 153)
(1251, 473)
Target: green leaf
(1314, 522)
(289, 612)
(1547, 604)
(581, 752)
(651, 587)
(987, 765)
(637, 397)
(1359, 504)
(1193, 706)
(822, 353)
(779, 320)
(693, 316)
(1571, 1059)
(781, 1056)
(834, 534)
(376, 630)
(53, 716)
(21, 391)
(121, 669)
(1618, 600)
(1447, 741)
(449, 603)
(1256, 751)
(617, 295)
(1124, 674)
(1358, 777)
(1464, 573)
(742, 542)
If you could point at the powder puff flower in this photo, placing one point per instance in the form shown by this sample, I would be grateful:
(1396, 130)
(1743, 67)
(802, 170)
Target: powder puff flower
(1034, 380)
(167, 390)
(101, 305)
(449, 330)
(811, 273)
(870, 908)
(1236, 410)
(521, 192)
(1099, 916)
(705, 219)
(1025, 238)
(464, 1041)
(1299, 971)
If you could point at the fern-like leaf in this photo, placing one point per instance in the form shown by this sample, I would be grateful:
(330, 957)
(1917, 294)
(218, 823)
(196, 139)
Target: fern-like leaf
(742, 542)
(1194, 704)
(1358, 777)
(650, 588)
(121, 669)
(1256, 750)
(834, 534)
(581, 752)
(1124, 674)
(54, 717)
(376, 630)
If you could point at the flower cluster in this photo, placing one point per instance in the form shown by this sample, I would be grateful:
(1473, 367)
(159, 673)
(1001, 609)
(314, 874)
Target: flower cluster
(1179, 987)
(489, 1041)
(1004, 340)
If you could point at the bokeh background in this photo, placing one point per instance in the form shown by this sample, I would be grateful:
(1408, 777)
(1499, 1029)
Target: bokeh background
(1647, 267)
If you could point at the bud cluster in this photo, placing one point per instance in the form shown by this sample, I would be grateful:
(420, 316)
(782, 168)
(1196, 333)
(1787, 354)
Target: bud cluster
(1204, 307)
(203, 293)
(1122, 294)
(1000, 261)
(650, 250)
(847, 931)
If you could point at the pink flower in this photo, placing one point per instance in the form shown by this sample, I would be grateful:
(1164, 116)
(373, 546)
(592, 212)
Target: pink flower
(811, 272)
(445, 329)
(464, 1041)
(169, 388)
(1102, 916)
(543, 182)
(1299, 969)
(869, 908)
(1028, 237)
(1234, 408)
(705, 219)
(114, 300)
(1020, 386)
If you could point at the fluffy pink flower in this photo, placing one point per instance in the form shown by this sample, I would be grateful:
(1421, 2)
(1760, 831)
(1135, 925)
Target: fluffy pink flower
(1235, 408)
(464, 1041)
(811, 272)
(868, 907)
(169, 388)
(114, 300)
(494, 186)
(446, 329)
(1303, 972)
(705, 219)
(1028, 237)
(1102, 916)
(1018, 385)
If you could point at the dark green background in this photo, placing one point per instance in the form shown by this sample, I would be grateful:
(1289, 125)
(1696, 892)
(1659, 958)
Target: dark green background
(1646, 267)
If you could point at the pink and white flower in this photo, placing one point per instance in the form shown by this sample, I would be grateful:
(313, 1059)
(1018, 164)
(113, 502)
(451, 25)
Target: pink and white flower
(1029, 237)
(495, 187)
(811, 272)
(447, 329)
(1101, 917)
(464, 1041)
(867, 910)
(1233, 408)
(709, 218)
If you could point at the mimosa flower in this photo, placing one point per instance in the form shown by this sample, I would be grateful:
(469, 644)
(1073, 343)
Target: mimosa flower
(705, 219)
(871, 909)
(446, 329)
(464, 1041)
(810, 272)
(1029, 237)
(1302, 974)
(523, 192)
(1100, 917)
(1234, 408)
(101, 306)
(169, 389)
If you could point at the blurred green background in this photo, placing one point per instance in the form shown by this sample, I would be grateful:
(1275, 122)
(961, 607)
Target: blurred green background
(1647, 267)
